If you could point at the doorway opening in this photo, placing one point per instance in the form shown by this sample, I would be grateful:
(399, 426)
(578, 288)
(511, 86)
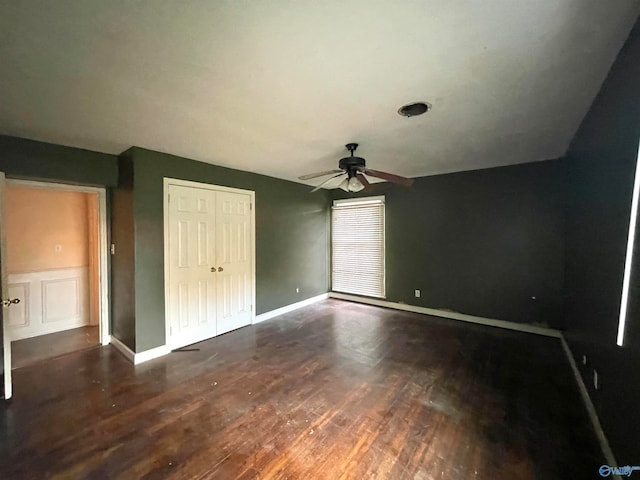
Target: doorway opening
(55, 259)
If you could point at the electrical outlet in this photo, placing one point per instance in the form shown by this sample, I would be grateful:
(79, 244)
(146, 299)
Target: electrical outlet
(57, 248)
(417, 293)
(584, 359)
(596, 380)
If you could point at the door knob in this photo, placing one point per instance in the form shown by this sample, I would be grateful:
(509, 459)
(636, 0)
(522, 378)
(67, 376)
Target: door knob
(8, 302)
(220, 269)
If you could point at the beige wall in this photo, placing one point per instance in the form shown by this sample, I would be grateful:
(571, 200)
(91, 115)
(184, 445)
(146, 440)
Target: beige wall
(46, 229)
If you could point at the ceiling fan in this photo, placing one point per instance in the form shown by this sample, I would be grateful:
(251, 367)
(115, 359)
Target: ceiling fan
(354, 170)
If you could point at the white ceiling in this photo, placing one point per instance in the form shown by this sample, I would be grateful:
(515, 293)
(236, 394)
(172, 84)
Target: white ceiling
(278, 87)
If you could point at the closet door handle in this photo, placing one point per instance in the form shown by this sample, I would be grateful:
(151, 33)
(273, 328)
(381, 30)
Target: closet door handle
(213, 269)
(220, 269)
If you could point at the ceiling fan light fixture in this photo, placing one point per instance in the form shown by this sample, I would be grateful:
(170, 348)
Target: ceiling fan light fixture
(414, 109)
(355, 185)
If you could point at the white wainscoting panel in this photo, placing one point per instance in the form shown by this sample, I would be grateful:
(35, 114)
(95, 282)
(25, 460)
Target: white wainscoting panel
(19, 314)
(50, 301)
(60, 299)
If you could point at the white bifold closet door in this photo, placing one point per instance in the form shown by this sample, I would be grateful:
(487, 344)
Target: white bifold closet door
(210, 265)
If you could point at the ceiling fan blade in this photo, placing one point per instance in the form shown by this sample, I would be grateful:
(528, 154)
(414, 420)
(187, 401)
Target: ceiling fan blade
(390, 177)
(363, 180)
(318, 174)
(327, 181)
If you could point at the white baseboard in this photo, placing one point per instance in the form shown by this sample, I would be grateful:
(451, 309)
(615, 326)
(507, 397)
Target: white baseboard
(289, 308)
(123, 349)
(591, 410)
(138, 358)
(151, 354)
(491, 322)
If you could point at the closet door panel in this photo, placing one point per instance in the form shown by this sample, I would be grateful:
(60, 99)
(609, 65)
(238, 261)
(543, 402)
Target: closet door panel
(233, 256)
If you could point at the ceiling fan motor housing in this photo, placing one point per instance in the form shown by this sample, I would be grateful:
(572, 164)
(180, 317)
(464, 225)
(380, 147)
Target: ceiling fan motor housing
(351, 164)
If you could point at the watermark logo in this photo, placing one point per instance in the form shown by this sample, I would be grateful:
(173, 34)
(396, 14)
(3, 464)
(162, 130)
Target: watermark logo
(606, 470)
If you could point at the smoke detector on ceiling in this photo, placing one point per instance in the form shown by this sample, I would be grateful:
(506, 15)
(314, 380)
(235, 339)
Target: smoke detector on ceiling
(413, 109)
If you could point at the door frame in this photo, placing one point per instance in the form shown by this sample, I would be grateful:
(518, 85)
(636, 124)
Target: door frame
(103, 249)
(6, 343)
(167, 181)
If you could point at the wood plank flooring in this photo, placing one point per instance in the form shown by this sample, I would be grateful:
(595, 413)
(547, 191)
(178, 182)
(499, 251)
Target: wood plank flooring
(334, 390)
(31, 350)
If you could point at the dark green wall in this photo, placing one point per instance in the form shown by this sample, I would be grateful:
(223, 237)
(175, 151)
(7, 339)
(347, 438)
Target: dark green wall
(122, 262)
(482, 242)
(600, 170)
(291, 237)
(20, 158)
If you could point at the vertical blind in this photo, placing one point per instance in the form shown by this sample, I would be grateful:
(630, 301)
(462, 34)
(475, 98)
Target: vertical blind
(357, 246)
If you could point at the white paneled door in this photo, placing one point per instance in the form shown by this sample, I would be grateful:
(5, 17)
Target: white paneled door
(192, 302)
(210, 269)
(233, 256)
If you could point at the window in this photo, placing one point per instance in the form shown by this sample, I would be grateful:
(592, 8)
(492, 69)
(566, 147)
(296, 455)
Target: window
(357, 246)
(626, 281)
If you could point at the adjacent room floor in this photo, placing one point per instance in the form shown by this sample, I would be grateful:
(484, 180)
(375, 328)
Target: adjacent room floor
(32, 350)
(334, 390)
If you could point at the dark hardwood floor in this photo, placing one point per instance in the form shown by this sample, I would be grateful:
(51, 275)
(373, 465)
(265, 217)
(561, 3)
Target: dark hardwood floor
(31, 350)
(334, 390)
